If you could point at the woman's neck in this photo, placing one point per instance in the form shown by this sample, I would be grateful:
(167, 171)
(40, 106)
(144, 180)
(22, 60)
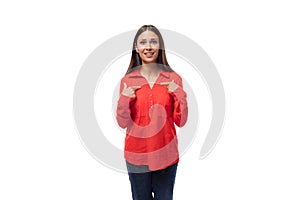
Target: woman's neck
(150, 69)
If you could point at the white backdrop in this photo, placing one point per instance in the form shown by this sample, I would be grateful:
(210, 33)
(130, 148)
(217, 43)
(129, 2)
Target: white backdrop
(254, 45)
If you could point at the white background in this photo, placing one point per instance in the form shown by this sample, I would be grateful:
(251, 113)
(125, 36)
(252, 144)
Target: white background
(254, 45)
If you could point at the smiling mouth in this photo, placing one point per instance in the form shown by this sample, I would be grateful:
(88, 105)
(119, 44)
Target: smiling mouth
(149, 54)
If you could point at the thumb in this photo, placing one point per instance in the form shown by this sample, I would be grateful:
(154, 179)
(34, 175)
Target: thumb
(125, 86)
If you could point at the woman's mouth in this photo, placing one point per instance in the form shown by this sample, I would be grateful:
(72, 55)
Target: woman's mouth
(149, 54)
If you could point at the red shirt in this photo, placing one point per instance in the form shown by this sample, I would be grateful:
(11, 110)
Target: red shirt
(149, 118)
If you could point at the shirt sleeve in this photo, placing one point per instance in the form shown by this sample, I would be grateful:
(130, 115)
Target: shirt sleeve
(123, 108)
(180, 112)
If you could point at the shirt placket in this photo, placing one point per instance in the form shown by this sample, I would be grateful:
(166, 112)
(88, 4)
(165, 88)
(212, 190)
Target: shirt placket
(151, 102)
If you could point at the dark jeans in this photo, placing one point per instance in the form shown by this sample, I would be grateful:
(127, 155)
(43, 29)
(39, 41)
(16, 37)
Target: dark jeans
(160, 183)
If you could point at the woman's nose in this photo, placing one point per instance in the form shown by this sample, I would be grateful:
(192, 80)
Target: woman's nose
(148, 45)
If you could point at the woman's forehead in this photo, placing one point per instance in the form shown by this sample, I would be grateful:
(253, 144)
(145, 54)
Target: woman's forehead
(148, 35)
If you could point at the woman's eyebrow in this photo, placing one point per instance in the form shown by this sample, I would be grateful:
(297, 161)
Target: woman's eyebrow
(143, 39)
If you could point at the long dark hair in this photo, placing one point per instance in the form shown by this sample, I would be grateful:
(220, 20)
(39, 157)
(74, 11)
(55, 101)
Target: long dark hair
(136, 60)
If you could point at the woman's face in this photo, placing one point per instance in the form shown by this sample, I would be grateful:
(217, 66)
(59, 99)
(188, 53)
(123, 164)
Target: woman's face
(148, 47)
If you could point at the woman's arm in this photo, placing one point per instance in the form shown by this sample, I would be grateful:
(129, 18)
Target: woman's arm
(180, 112)
(126, 95)
(123, 108)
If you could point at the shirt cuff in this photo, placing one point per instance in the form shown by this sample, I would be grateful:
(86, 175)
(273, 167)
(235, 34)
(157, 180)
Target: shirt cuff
(179, 93)
(124, 99)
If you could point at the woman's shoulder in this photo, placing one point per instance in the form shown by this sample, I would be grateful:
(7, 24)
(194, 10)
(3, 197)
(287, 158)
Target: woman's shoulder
(131, 74)
(174, 75)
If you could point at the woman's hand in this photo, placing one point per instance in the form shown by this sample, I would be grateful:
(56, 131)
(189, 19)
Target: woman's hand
(129, 91)
(172, 86)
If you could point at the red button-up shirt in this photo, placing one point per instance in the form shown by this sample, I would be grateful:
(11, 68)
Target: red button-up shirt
(149, 118)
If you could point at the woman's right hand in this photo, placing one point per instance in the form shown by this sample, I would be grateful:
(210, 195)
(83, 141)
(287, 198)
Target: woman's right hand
(130, 91)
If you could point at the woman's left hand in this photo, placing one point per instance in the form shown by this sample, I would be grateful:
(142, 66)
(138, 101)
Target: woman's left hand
(172, 86)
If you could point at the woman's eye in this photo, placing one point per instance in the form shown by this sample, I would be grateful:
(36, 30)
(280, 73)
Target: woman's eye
(154, 42)
(142, 42)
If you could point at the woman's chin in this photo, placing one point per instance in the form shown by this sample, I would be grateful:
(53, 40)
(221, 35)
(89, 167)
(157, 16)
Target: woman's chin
(149, 60)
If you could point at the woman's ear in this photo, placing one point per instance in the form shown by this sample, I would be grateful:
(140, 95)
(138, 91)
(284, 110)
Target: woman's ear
(136, 49)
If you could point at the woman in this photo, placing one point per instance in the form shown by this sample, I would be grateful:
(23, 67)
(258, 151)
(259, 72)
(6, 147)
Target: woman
(151, 100)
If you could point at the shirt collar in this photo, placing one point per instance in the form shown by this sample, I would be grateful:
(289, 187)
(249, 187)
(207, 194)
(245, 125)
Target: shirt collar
(136, 73)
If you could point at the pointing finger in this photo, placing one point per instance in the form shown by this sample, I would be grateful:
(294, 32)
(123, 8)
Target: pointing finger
(164, 83)
(135, 87)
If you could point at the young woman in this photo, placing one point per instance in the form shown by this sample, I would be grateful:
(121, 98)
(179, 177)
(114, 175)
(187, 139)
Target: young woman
(151, 100)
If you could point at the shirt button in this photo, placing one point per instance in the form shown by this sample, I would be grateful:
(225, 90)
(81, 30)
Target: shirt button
(150, 95)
